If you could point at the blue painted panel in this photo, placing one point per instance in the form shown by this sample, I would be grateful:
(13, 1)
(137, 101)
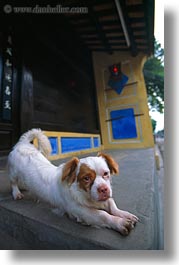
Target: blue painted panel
(70, 144)
(54, 145)
(96, 142)
(123, 124)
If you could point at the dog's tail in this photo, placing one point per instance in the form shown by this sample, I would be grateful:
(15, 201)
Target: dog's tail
(44, 145)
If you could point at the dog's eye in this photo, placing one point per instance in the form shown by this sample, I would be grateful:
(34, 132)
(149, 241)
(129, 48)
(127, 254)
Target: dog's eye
(86, 178)
(106, 175)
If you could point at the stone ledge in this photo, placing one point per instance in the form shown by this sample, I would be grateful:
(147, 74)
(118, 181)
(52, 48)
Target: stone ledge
(34, 226)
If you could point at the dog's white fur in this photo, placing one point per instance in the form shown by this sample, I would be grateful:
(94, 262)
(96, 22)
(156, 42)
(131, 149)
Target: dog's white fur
(81, 187)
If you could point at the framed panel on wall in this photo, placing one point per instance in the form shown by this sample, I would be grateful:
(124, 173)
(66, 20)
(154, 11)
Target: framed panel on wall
(124, 124)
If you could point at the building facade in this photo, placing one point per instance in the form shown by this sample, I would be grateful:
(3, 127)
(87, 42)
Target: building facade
(55, 74)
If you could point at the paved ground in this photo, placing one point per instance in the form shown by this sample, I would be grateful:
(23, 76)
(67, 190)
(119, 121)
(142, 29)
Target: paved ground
(29, 224)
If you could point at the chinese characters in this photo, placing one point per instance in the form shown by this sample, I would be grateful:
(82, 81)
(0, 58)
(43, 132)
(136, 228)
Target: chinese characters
(7, 79)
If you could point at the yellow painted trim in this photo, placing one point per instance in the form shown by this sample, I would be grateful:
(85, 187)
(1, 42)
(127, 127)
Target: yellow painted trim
(59, 135)
(77, 153)
(70, 134)
(157, 161)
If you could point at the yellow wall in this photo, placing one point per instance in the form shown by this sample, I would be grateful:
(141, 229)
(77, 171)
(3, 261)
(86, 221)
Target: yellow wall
(133, 96)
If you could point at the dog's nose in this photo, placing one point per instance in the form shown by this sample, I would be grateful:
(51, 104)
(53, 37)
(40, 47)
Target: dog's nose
(103, 189)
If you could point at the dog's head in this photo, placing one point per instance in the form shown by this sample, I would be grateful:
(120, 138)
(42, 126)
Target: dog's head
(92, 175)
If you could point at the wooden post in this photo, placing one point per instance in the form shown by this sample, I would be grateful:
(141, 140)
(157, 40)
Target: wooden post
(26, 115)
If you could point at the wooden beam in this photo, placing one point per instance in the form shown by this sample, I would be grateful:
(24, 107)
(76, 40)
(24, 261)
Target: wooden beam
(133, 47)
(95, 20)
(149, 20)
(123, 49)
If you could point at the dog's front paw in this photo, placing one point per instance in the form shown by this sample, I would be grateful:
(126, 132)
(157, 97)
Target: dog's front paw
(18, 196)
(125, 226)
(133, 218)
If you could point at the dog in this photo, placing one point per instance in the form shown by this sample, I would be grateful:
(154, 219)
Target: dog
(81, 188)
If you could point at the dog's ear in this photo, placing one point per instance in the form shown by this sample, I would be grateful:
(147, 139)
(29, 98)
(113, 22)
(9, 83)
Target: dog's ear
(113, 166)
(69, 170)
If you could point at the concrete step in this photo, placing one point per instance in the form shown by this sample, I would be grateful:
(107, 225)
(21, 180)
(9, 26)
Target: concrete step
(33, 225)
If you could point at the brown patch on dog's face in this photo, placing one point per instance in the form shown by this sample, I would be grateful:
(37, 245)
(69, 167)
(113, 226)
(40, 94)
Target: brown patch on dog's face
(86, 177)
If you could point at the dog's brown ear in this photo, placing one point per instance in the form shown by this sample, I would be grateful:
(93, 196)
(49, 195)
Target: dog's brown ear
(113, 166)
(69, 170)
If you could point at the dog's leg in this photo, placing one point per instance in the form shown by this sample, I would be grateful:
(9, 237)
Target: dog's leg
(112, 208)
(17, 195)
(100, 218)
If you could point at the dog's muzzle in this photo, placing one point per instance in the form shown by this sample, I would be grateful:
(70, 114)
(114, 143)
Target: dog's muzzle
(103, 192)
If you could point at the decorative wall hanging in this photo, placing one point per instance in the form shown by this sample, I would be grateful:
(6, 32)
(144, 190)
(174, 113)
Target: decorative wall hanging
(117, 79)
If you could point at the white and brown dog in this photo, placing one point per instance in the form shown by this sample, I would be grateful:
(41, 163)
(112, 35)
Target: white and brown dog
(81, 187)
